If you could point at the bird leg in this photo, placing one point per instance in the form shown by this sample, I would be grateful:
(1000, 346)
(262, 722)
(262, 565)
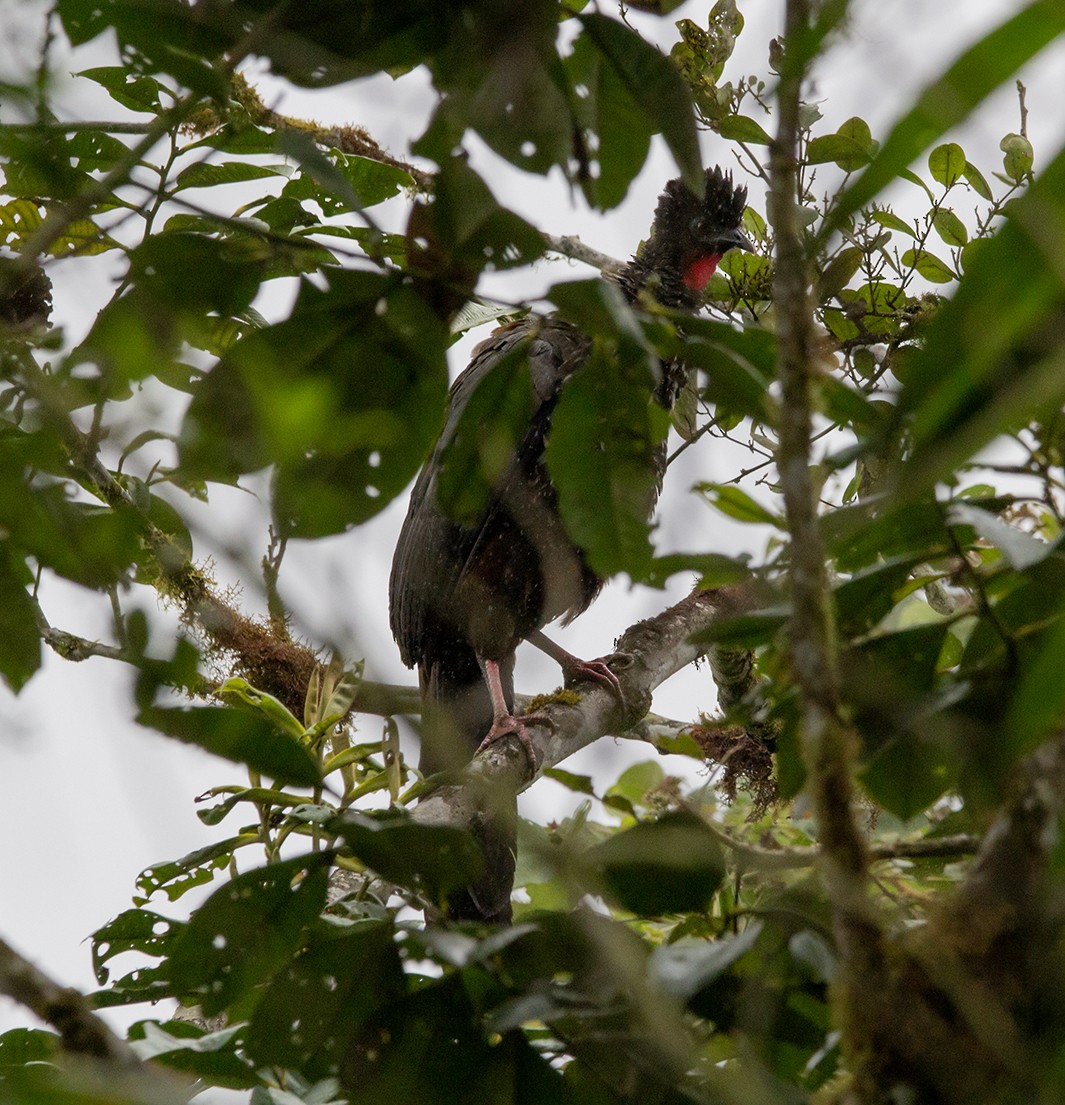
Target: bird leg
(574, 668)
(504, 722)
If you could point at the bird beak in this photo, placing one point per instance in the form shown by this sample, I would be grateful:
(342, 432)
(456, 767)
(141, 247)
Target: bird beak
(736, 239)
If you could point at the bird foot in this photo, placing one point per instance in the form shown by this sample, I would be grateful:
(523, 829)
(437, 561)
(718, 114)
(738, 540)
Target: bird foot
(574, 669)
(507, 724)
(595, 671)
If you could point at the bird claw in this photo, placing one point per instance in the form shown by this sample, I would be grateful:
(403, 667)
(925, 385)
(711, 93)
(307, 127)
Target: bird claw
(509, 724)
(594, 671)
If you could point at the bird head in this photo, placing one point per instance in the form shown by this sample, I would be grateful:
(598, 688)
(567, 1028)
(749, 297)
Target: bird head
(690, 236)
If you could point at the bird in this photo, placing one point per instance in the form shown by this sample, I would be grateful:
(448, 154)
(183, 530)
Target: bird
(463, 594)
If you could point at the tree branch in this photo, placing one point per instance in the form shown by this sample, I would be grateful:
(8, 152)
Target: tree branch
(753, 857)
(348, 139)
(571, 246)
(81, 1031)
(827, 742)
(655, 650)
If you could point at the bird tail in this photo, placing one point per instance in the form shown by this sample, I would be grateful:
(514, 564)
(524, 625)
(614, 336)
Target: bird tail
(457, 714)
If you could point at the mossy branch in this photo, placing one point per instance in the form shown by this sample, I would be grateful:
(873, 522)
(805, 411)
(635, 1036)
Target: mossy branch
(828, 744)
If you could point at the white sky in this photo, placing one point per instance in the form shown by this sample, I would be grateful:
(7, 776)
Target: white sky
(90, 799)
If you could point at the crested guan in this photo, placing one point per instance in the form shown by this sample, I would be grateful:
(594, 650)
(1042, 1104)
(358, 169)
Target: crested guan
(463, 596)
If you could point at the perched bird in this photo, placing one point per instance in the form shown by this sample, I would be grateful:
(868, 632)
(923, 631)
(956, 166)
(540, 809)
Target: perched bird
(462, 595)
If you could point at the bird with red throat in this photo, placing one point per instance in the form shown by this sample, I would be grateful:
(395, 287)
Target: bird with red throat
(464, 594)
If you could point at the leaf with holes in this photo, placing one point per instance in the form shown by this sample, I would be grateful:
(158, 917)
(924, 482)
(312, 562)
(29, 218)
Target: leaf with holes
(657, 87)
(315, 1006)
(344, 396)
(247, 929)
(433, 859)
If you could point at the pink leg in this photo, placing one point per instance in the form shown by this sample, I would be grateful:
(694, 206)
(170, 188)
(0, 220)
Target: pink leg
(503, 721)
(574, 668)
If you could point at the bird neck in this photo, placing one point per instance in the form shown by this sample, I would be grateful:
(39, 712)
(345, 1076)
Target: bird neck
(664, 281)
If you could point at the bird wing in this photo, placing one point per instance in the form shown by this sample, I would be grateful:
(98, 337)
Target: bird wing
(438, 560)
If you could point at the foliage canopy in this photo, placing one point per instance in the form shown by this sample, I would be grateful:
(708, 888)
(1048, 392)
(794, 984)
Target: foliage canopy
(875, 914)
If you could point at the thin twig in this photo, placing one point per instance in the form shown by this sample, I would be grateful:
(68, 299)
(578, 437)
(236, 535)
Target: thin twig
(573, 247)
(110, 126)
(752, 856)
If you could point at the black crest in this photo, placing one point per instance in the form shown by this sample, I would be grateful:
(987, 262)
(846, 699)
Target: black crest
(686, 227)
(685, 218)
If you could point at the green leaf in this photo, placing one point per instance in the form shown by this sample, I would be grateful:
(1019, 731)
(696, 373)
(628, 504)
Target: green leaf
(487, 434)
(601, 457)
(869, 595)
(21, 1046)
(1038, 706)
(20, 638)
(686, 968)
(857, 131)
(729, 379)
(135, 930)
(672, 865)
(213, 815)
(840, 148)
(737, 365)
(949, 227)
(977, 181)
(1021, 549)
(433, 859)
(890, 220)
(161, 37)
(929, 266)
(946, 163)
(992, 358)
(465, 231)
(714, 569)
(580, 784)
(908, 774)
(656, 85)
(239, 736)
(870, 532)
(345, 396)
(311, 1013)
(735, 503)
(228, 272)
(241, 691)
(90, 544)
(340, 182)
(1018, 158)
(195, 869)
(38, 165)
(634, 782)
(181, 1046)
(203, 174)
(605, 109)
(837, 274)
(742, 128)
(247, 929)
(950, 99)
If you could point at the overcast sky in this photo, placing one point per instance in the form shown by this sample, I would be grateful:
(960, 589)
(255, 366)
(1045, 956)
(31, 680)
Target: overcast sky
(90, 799)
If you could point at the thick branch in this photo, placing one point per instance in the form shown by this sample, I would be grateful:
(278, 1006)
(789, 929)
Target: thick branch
(828, 743)
(655, 650)
(80, 1029)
